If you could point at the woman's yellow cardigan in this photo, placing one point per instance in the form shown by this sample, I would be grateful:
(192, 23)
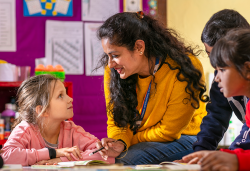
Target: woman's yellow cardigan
(167, 115)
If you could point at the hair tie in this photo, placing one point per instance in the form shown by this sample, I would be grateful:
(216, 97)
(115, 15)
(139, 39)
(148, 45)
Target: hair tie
(140, 14)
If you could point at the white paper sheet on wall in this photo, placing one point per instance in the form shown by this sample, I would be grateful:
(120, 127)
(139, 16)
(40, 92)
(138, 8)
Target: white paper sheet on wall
(62, 6)
(64, 45)
(34, 6)
(93, 49)
(8, 25)
(99, 10)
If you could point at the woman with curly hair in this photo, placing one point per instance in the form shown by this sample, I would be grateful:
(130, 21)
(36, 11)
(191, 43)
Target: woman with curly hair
(154, 88)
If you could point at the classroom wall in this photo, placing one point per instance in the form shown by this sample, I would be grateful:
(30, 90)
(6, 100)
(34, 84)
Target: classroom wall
(189, 17)
(89, 103)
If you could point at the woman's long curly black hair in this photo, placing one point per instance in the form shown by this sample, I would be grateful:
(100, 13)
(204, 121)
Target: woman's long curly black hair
(124, 29)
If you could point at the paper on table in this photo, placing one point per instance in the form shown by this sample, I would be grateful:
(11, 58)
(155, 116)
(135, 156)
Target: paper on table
(93, 49)
(8, 25)
(64, 45)
(180, 166)
(7, 167)
(99, 10)
(192, 167)
(83, 163)
(170, 165)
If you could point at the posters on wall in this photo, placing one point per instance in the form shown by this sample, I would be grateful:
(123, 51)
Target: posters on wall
(93, 49)
(64, 45)
(132, 5)
(99, 10)
(48, 8)
(8, 25)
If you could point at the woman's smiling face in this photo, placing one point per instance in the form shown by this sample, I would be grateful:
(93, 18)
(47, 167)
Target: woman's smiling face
(125, 62)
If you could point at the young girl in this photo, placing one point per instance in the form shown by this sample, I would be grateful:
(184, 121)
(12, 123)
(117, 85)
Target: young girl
(41, 134)
(231, 57)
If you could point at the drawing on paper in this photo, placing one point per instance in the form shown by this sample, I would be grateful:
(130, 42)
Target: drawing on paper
(68, 53)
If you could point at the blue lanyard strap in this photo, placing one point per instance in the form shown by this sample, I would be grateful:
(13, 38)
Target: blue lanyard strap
(145, 102)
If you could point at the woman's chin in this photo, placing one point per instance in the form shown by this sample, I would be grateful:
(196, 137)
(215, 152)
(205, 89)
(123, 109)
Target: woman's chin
(123, 76)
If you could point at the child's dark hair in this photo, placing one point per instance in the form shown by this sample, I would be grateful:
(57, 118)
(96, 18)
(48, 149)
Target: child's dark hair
(33, 92)
(220, 23)
(233, 49)
(124, 29)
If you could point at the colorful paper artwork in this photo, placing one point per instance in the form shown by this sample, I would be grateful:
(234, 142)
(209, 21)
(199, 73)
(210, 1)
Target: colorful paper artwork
(48, 8)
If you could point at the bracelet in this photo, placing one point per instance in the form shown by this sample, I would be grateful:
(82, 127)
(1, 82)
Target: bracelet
(124, 149)
(125, 145)
(52, 153)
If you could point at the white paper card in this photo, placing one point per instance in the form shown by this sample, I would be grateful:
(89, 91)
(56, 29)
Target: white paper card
(64, 45)
(62, 6)
(8, 25)
(93, 49)
(34, 6)
(99, 10)
(132, 5)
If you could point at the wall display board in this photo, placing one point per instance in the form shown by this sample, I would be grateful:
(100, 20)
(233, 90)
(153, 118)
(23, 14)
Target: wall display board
(48, 8)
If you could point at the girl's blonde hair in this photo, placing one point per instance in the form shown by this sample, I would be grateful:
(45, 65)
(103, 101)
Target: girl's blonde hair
(33, 92)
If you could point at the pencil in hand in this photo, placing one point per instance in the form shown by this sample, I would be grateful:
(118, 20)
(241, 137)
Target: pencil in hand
(90, 154)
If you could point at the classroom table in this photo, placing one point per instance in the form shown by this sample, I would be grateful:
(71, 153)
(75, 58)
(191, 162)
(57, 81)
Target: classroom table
(110, 168)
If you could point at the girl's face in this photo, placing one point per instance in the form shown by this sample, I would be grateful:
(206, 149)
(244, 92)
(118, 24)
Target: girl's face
(125, 62)
(231, 82)
(60, 107)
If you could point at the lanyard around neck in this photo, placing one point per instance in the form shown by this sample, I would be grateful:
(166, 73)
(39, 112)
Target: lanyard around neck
(145, 101)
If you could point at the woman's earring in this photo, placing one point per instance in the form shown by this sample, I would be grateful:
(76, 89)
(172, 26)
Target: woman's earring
(141, 53)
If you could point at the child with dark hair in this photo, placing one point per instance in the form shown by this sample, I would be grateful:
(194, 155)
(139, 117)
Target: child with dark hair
(41, 135)
(219, 109)
(231, 58)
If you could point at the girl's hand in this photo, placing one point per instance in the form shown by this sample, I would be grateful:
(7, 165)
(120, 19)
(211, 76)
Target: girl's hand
(49, 162)
(67, 151)
(219, 160)
(113, 148)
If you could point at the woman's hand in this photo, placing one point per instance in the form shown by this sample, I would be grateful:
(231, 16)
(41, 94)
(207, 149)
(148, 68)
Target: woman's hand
(49, 162)
(113, 148)
(67, 151)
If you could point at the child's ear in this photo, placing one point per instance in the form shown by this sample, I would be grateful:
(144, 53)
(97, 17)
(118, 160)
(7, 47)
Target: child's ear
(247, 69)
(39, 110)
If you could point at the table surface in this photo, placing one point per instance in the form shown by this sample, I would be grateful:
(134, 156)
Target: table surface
(114, 167)
(118, 168)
